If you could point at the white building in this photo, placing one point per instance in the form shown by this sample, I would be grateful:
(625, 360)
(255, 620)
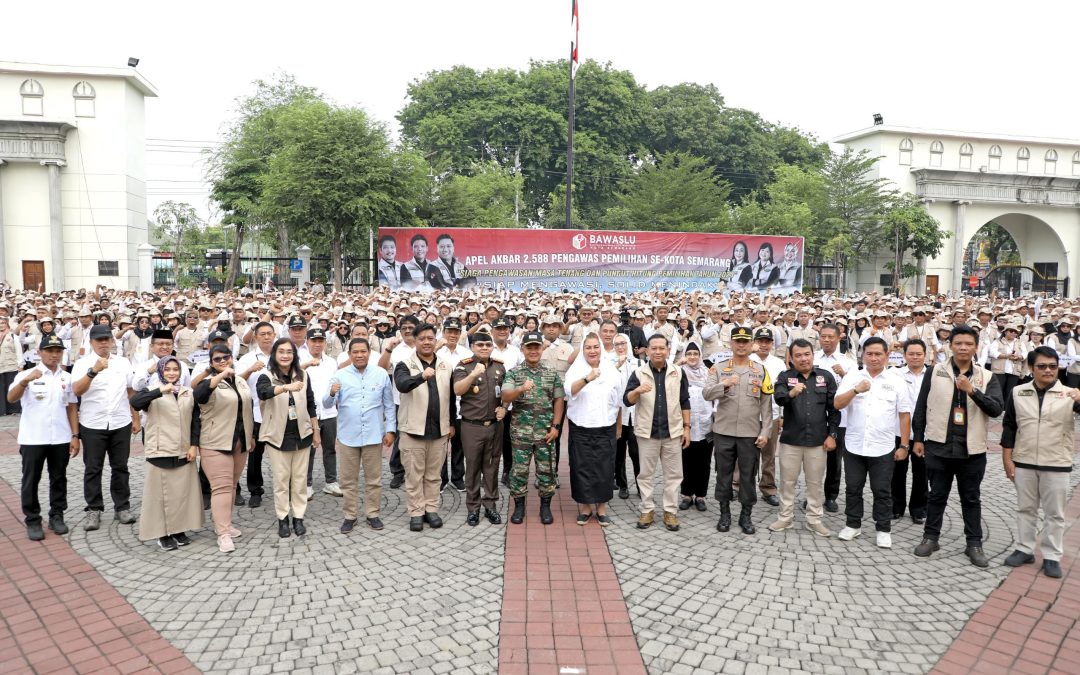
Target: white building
(72, 175)
(1030, 186)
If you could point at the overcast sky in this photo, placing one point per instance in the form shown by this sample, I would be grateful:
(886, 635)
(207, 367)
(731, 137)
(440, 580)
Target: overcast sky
(825, 67)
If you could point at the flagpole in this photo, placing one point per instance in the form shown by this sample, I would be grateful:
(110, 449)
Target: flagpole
(570, 120)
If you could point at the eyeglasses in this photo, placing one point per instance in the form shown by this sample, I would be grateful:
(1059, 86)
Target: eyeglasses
(221, 359)
(1046, 366)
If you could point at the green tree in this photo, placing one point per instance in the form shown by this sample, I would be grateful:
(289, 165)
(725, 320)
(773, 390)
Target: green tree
(910, 228)
(676, 192)
(857, 203)
(486, 198)
(336, 178)
(175, 221)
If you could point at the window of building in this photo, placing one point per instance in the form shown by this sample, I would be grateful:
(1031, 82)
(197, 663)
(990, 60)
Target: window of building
(1050, 166)
(1076, 163)
(33, 97)
(966, 151)
(906, 146)
(1022, 157)
(994, 158)
(936, 151)
(108, 268)
(84, 95)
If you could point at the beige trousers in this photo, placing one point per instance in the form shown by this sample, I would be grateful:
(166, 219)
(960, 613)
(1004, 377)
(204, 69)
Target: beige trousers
(350, 459)
(1048, 489)
(222, 470)
(668, 453)
(423, 462)
(811, 461)
(290, 481)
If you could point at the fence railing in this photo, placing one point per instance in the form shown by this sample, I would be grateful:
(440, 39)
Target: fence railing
(168, 272)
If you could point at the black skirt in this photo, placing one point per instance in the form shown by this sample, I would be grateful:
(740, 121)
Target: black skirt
(592, 463)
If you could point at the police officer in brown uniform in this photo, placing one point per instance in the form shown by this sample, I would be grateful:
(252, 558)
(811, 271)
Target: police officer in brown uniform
(478, 382)
(741, 424)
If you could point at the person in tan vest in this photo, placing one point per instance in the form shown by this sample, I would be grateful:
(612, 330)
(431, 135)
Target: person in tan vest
(1006, 355)
(1037, 454)
(953, 411)
(289, 427)
(224, 432)
(172, 502)
(427, 406)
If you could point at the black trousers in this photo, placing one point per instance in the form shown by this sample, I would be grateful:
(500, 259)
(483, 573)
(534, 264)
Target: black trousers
(5, 383)
(508, 448)
(1008, 383)
(34, 459)
(254, 465)
(728, 451)
(97, 445)
(833, 462)
(968, 472)
(880, 472)
(920, 488)
(696, 462)
(396, 467)
(627, 443)
(328, 438)
(457, 458)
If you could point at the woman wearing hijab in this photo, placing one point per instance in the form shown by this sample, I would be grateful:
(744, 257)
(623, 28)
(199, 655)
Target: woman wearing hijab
(626, 441)
(594, 388)
(696, 457)
(289, 427)
(172, 502)
(223, 431)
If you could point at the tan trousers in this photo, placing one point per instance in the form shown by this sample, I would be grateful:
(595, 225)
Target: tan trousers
(290, 481)
(668, 453)
(349, 461)
(222, 470)
(767, 465)
(811, 461)
(423, 462)
(1048, 489)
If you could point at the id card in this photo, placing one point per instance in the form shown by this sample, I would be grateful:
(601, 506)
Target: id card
(292, 412)
(959, 416)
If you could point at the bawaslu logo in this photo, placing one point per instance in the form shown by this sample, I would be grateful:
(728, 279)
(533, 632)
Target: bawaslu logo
(604, 242)
(578, 241)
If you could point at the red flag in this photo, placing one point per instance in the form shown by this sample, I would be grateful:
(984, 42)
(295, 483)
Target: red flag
(573, 40)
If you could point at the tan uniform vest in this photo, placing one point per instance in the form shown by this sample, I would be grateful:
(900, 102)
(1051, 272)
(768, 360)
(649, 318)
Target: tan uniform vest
(643, 411)
(997, 366)
(275, 413)
(218, 417)
(1043, 437)
(9, 355)
(168, 425)
(412, 413)
(939, 407)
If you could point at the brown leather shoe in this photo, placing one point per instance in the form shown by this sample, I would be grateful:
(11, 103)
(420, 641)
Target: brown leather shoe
(671, 521)
(645, 520)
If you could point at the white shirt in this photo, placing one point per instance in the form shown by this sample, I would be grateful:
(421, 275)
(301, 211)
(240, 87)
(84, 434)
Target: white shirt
(320, 377)
(453, 357)
(597, 404)
(511, 356)
(249, 360)
(773, 366)
(397, 355)
(105, 403)
(44, 421)
(873, 415)
(628, 367)
(914, 383)
(142, 379)
(826, 362)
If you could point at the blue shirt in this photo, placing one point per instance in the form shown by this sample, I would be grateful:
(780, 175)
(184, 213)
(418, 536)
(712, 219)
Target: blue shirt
(365, 406)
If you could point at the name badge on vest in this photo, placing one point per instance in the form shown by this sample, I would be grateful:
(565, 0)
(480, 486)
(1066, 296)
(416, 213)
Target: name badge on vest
(942, 373)
(1025, 392)
(959, 416)
(292, 412)
(792, 381)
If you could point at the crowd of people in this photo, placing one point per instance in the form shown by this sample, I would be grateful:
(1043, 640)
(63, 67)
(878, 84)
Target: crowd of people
(466, 386)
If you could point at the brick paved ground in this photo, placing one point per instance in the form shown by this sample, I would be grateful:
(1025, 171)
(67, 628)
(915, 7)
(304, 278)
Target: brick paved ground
(685, 602)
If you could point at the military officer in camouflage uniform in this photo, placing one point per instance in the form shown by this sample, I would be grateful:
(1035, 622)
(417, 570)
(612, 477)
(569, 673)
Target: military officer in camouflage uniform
(537, 394)
(478, 381)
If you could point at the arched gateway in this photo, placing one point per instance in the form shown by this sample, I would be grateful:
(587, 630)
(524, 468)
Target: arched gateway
(967, 180)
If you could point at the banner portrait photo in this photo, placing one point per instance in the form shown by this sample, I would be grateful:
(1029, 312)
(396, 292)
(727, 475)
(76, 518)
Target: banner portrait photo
(428, 259)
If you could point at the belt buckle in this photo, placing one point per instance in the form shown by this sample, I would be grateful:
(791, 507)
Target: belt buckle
(487, 423)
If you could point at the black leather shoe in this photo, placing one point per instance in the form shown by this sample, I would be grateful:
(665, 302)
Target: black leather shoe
(416, 524)
(458, 485)
(1018, 558)
(745, 523)
(493, 516)
(624, 493)
(519, 511)
(473, 519)
(255, 501)
(433, 520)
(35, 532)
(239, 500)
(831, 506)
(166, 543)
(375, 523)
(976, 556)
(1052, 569)
(700, 503)
(283, 530)
(918, 519)
(181, 539)
(298, 527)
(724, 524)
(772, 500)
(397, 481)
(685, 503)
(347, 525)
(57, 524)
(926, 547)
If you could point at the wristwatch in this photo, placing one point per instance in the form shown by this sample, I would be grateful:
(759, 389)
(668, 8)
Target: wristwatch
(902, 447)
(91, 373)
(557, 427)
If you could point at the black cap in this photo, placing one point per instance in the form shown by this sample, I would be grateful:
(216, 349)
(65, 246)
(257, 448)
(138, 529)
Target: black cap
(452, 324)
(317, 333)
(532, 338)
(98, 331)
(742, 333)
(217, 335)
(50, 341)
(161, 334)
(764, 333)
(297, 321)
(480, 336)
(501, 322)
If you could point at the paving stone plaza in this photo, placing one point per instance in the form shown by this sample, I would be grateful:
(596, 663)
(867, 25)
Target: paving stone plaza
(466, 599)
